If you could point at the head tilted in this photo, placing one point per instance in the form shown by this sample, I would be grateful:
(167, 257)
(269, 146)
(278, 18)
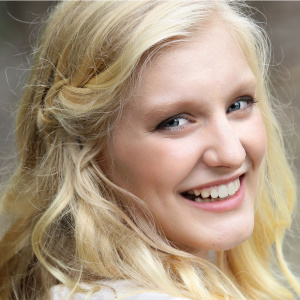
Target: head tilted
(77, 223)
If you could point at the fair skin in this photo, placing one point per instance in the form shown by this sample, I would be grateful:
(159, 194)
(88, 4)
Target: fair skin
(192, 125)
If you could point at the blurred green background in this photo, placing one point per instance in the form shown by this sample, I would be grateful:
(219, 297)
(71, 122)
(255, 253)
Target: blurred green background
(19, 25)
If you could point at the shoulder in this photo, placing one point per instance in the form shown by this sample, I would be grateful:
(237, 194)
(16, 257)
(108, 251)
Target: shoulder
(111, 290)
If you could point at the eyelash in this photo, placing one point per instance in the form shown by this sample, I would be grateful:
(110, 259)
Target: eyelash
(162, 126)
(250, 102)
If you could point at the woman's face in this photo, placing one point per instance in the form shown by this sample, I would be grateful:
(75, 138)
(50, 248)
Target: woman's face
(193, 129)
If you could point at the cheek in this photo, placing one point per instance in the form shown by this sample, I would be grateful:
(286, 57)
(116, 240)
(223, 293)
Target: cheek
(254, 139)
(150, 162)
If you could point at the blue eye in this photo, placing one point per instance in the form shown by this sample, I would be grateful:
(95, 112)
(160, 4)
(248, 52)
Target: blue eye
(173, 123)
(241, 103)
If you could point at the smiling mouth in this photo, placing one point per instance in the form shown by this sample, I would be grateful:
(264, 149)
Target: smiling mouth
(213, 193)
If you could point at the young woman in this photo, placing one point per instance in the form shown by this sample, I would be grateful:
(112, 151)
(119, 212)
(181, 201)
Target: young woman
(150, 163)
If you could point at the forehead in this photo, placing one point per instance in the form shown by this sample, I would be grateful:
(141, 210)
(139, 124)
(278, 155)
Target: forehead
(213, 59)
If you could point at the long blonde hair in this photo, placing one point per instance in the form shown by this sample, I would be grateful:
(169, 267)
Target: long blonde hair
(72, 225)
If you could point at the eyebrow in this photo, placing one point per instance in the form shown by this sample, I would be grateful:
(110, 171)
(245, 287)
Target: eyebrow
(171, 105)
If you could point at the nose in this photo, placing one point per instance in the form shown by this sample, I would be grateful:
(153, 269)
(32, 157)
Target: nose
(224, 147)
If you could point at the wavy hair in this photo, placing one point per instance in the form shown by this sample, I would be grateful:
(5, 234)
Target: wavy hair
(72, 223)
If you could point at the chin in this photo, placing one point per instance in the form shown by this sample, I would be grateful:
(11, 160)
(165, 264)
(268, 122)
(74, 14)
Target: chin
(232, 240)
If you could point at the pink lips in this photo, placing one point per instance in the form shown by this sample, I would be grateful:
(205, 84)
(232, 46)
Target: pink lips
(223, 205)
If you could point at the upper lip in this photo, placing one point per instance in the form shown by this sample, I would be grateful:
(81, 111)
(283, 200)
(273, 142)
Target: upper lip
(214, 183)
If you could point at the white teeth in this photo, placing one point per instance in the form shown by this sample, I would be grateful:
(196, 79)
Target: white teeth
(196, 192)
(220, 191)
(214, 192)
(223, 191)
(231, 188)
(205, 194)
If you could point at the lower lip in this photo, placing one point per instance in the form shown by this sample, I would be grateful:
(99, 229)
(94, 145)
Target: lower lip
(223, 205)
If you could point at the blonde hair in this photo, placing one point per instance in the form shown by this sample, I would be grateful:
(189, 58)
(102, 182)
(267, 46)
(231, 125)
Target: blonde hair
(72, 223)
